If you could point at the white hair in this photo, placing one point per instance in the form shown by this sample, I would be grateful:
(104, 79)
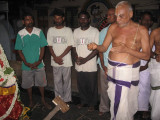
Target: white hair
(125, 3)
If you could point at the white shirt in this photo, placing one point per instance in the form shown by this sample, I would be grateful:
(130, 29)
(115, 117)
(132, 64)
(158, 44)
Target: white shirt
(81, 39)
(60, 39)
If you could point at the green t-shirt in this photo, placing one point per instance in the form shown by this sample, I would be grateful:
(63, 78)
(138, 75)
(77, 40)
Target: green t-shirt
(30, 44)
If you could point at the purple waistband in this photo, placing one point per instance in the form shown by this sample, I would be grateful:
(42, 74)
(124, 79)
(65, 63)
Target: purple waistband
(135, 83)
(124, 83)
(118, 64)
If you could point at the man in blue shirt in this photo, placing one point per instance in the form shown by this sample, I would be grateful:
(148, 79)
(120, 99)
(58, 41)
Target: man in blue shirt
(103, 61)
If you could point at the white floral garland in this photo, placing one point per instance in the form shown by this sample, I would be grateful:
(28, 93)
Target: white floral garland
(11, 81)
(3, 57)
(8, 79)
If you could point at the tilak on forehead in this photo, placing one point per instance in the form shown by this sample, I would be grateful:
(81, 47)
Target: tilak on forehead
(83, 16)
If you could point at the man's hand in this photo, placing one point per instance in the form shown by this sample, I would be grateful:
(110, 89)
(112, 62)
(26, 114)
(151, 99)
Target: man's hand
(58, 60)
(28, 64)
(142, 68)
(35, 65)
(92, 46)
(122, 48)
(158, 57)
(153, 55)
(105, 70)
(81, 60)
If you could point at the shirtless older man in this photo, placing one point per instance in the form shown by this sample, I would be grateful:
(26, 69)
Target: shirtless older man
(127, 39)
(154, 67)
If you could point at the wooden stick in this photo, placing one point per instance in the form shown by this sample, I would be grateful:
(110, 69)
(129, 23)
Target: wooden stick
(52, 113)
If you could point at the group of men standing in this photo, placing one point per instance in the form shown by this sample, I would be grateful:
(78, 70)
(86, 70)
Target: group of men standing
(125, 43)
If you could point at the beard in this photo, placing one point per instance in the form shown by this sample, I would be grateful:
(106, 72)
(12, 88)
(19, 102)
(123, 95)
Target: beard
(58, 23)
(84, 24)
(30, 25)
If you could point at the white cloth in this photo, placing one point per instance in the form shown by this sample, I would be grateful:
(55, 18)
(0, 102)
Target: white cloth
(62, 82)
(7, 80)
(104, 99)
(128, 104)
(81, 39)
(144, 89)
(60, 39)
(154, 68)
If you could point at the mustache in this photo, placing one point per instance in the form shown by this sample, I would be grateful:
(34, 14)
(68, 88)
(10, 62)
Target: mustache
(30, 25)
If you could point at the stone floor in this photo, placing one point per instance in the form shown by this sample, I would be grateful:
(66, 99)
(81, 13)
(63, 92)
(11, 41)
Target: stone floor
(39, 112)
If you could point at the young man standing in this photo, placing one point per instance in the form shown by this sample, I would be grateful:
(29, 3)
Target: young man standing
(30, 44)
(60, 41)
(85, 59)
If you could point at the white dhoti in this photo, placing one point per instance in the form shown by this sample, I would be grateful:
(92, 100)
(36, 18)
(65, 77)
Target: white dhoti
(144, 89)
(123, 89)
(154, 68)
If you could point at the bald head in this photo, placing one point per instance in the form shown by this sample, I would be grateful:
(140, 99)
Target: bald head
(125, 3)
(124, 13)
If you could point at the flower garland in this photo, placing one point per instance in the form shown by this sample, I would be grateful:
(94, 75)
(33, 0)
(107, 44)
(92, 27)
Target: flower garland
(7, 75)
(12, 104)
(7, 79)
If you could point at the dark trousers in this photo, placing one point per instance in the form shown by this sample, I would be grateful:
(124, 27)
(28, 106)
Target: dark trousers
(88, 87)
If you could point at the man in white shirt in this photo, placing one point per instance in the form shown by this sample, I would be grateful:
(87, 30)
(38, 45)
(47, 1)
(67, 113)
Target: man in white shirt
(85, 59)
(60, 41)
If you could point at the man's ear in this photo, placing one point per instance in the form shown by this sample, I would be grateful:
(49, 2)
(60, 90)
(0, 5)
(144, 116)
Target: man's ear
(131, 14)
(23, 22)
(89, 20)
(63, 18)
(151, 23)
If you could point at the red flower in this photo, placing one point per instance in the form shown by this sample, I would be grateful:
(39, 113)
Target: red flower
(1, 79)
(1, 63)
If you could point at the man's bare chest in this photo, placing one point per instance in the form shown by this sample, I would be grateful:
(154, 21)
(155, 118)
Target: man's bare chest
(157, 39)
(127, 38)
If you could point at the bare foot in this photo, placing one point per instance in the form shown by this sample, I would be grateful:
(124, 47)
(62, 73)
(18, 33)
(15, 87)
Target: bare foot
(145, 115)
(100, 113)
(46, 105)
(31, 105)
(90, 109)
